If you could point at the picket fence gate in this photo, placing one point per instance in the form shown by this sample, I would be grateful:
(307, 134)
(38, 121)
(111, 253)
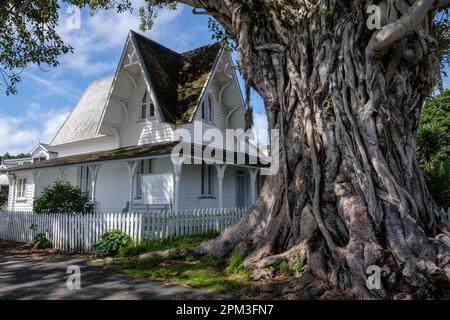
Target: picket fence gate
(77, 233)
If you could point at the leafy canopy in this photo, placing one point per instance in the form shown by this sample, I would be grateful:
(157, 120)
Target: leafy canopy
(62, 197)
(433, 146)
(28, 34)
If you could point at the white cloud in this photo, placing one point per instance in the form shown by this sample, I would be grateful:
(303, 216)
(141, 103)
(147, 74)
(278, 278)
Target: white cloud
(47, 88)
(22, 133)
(106, 32)
(260, 128)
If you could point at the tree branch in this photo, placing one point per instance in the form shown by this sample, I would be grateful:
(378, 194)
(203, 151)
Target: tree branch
(382, 40)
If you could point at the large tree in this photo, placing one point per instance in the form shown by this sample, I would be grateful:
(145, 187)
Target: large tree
(350, 193)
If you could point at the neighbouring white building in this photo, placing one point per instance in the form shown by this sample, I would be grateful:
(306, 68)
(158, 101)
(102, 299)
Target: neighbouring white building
(116, 144)
(9, 164)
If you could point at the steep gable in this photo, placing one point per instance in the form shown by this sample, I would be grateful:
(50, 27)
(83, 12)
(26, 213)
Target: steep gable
(178, 79)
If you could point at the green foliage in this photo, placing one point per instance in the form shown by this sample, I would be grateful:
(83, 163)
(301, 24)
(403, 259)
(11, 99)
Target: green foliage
(298, 264)
(62, 197)
(442, 24)
(219, 34)
(285, 269)
(235, 262)
(433, 146)
(134, 249)
(111, 243)
(7, 156)
(3, 199)
(41, 241)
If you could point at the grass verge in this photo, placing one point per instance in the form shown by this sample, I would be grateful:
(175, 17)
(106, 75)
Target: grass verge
(170, 243)
(220, 275)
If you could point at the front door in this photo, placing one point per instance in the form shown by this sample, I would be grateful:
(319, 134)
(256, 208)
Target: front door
(240, 189)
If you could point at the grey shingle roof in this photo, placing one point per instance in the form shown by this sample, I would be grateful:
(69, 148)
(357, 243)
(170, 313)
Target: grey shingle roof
(82, 123)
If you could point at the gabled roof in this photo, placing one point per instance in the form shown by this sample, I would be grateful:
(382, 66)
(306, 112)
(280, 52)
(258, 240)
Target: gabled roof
(43, 146)
(177, 78)
(82, 123)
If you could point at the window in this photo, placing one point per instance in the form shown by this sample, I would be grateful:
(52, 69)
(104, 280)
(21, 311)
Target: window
(207, 109)
(206, 180)
(84, 180)
(145, 167)
(210, 109)
(21, 188)
(147, 107)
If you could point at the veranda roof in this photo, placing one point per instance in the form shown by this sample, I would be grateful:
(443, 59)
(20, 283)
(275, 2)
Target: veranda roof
(115, 154)
(148, 150)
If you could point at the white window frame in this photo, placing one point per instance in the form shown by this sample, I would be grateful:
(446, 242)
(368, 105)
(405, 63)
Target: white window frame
(145, 167)
(206, 181)
(21, 188)
(207, 109)
(84, 180)
(147, 109)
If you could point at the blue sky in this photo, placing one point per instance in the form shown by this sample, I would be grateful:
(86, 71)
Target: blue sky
(46, 97)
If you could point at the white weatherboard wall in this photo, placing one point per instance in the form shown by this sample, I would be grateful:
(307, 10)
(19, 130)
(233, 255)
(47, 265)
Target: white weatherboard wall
(134, 131)
(113, 185)
(86, 146)
(25, 204)
(190, 188)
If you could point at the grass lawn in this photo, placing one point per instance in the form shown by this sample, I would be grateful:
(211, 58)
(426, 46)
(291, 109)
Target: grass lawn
(218, 275)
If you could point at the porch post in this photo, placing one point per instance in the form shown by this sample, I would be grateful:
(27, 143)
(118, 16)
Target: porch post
(94, 169)
(131, 165)
(177, 168)
(253, 175)
(220, 174)
(12, 191)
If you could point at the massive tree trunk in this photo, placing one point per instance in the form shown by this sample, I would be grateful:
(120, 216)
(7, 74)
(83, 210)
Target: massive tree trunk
(349, 193)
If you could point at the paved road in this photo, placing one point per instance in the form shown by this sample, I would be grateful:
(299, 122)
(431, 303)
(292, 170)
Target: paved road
(27, 274)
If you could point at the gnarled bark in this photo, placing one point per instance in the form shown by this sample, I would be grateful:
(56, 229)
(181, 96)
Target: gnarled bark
(350, 193)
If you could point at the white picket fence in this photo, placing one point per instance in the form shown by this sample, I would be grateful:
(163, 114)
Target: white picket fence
(77, 233)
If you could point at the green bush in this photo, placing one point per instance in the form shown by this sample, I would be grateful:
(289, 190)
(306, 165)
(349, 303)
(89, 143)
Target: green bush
(41, 241)
(433, 146)
(285, 268)
(62, 197)
(3, 199)
(111, 243)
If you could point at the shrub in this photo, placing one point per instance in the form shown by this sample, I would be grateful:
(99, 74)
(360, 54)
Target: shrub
(41, 241)
(433, 146)
(235, 262)
(62, 197)
(3, 199)
(111, 243)
(285, 268)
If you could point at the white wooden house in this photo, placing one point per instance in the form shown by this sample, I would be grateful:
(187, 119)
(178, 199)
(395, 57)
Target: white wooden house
(116, 144)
